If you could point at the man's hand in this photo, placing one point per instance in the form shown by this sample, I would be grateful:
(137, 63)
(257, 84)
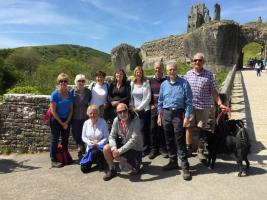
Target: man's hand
(116, 154)
(224, 108)
(186, 122)
(159, 121)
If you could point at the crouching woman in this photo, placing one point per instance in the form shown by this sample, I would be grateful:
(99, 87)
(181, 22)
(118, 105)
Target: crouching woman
(95, 136)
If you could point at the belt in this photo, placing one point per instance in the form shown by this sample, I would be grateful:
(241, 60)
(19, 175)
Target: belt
(175, 109)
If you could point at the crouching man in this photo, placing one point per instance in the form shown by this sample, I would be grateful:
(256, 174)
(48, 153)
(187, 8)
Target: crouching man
(125, 140)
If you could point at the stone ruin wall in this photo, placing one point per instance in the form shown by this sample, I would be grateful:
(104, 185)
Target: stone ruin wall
(166, 49)
(21, 126)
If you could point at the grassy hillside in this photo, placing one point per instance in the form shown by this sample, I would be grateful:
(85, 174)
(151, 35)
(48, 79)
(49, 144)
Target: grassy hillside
(251, 50)
(39, 66)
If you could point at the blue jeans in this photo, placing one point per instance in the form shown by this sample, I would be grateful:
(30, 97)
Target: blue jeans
(56, 131)
(175, 136)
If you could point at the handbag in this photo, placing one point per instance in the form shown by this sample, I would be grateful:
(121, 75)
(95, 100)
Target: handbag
(48, 115)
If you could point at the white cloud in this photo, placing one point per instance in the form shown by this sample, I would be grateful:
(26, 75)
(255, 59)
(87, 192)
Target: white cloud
(31, 13)
(114, 9)
(250, 11)
(157, 22)
(9, 42)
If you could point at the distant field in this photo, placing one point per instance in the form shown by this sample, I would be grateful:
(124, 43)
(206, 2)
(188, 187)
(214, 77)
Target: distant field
(251, 50)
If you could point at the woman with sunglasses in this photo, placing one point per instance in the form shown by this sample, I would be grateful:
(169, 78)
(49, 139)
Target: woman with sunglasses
(82, 98)
(140, 104)
(61, 105)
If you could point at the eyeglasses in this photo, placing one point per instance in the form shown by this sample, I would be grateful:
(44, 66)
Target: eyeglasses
(199, 60)
(63, 81)
(122, 111)
(81, 81)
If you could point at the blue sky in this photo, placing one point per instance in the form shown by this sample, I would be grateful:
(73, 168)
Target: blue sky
(104, 24)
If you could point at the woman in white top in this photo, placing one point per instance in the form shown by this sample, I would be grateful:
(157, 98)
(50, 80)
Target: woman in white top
(95, 136)
(258, 68)
(140, 104)
(99, 91)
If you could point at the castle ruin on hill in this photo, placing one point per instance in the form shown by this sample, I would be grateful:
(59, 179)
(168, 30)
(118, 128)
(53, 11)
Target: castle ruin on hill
(221, 41)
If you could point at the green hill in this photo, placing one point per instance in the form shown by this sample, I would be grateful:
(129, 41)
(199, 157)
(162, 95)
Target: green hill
(39, 66)
(252, 50)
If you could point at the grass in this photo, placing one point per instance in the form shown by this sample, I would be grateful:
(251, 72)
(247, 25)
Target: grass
(220, 77)
(251, 50)
(5, 150)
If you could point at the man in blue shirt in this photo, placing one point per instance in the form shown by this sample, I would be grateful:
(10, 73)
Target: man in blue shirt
(175, 108)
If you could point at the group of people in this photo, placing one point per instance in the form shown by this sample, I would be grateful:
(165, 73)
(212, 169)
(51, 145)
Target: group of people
(258, 65)
(125, 120)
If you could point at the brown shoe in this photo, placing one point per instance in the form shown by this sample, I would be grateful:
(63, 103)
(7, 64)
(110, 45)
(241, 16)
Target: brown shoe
(134, 172)
(186, 175)
(170, 166)
(110, 175)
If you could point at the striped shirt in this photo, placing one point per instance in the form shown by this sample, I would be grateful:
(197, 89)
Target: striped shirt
(202, 85)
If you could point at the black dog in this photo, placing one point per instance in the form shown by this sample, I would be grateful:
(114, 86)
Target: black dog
(229, 137)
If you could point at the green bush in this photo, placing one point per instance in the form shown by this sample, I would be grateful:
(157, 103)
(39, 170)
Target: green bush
(5, 150)
(23, 90)
(220, 77)
(1, 98)
(182, 69)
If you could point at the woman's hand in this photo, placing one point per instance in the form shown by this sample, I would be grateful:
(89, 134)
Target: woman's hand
(95, 143)
(114, 103)
(65, 125)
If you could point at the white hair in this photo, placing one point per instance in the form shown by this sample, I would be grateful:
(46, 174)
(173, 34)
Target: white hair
(79, 77)
(171, 64)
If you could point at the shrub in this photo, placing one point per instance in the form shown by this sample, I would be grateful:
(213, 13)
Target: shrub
(24, 90)
(220, 77)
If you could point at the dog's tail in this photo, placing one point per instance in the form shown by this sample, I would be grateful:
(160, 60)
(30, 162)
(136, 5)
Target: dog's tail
(243, 139)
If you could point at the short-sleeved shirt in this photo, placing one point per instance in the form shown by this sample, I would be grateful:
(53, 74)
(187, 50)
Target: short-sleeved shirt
(202, 85)
(62, 105)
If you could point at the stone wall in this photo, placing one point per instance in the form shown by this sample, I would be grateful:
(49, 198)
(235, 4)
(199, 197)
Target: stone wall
(21, 126)
(220, 41)
(166, 49)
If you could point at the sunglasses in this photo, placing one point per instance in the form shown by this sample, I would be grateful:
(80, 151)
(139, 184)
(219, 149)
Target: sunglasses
(81, 81)
(199, 60)
(122, 111)
(63, 81)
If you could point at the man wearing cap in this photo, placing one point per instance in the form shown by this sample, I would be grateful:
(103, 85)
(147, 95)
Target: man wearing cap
(174, 108)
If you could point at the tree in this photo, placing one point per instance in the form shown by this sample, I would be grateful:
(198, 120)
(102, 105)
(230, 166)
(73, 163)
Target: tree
(25, 60)
(7, 77)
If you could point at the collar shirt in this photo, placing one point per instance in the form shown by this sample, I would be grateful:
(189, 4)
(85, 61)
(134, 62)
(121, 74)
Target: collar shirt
(91, 133)
(202, 85)
(177, 95)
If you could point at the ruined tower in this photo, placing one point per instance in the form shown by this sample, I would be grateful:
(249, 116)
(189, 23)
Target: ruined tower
(217, 12)
(199, 15)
